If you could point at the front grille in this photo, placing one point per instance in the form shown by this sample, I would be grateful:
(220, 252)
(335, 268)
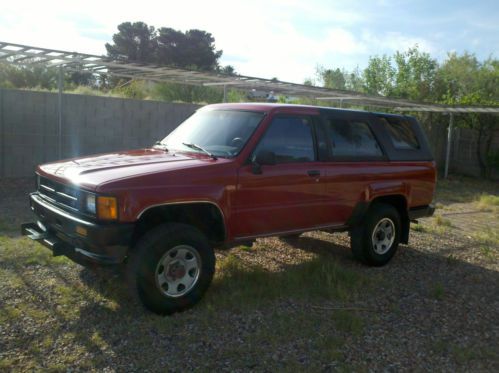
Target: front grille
(60, 194)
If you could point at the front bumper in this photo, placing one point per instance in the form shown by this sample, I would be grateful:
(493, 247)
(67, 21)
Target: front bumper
(75, 237)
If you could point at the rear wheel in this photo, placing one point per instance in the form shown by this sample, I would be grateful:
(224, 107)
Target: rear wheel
(170, 268)
(376, 240)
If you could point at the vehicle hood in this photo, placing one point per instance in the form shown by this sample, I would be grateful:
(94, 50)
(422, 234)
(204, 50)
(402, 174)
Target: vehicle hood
(93, 171)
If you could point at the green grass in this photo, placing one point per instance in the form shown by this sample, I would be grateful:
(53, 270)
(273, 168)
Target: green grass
(435, 226)
(6, 364)
(487, 236)
(9, 313)
(418, 227)
(238, 282)
(452, 259)
(488, 202)
(465, 354)
(438, 291)
(246, 248)
(491, 254)
(439, 220)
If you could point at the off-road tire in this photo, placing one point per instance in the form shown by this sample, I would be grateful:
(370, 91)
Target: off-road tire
(361, 237)
(144, 258)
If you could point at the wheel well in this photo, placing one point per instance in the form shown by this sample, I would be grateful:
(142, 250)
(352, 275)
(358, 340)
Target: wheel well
(400, 203)
(205, 216)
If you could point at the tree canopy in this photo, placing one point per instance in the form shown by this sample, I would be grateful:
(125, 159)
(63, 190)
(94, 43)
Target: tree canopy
(415, 75)
(193, 49)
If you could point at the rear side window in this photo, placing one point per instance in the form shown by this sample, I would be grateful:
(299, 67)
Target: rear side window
(352, 139)
(290, 138)
(400, 133)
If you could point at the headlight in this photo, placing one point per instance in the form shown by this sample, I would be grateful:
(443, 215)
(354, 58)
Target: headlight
(107, 208)
(90, 204)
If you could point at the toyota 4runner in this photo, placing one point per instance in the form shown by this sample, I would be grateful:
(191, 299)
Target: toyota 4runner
(227, 175)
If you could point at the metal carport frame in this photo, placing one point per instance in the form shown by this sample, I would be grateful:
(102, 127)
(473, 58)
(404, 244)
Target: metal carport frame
(25, 55)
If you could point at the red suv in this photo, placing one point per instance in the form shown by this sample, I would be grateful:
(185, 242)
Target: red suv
(227, 175)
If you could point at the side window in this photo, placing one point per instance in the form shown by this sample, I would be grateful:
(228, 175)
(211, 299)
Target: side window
(322, 142)
(400, 133)
(290, 138)
(352, 139)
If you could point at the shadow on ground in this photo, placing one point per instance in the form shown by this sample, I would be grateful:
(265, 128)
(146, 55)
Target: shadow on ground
(256, 319)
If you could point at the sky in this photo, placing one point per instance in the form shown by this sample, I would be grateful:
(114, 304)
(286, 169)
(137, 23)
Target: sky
(286, 39)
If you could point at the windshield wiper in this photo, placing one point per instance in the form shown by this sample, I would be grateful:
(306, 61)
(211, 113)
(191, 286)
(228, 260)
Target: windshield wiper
(197, 147)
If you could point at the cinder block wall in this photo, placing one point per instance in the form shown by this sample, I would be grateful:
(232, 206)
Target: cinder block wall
(90, 124)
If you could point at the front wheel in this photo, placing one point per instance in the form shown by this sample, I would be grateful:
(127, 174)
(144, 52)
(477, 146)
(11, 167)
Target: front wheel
(376, 240)
(170, 268)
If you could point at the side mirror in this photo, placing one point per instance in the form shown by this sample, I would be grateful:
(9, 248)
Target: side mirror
(262, 158)
(265, 157)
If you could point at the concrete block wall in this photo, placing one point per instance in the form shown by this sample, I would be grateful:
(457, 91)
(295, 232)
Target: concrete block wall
(29, 126)
(92, 124)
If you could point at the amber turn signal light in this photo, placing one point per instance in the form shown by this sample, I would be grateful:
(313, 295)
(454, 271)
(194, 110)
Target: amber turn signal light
(107, 208)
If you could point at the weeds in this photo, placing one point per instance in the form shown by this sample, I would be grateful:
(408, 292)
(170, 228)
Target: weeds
(348, 322)
(452, 259)
(438, 291)
(439, 220)
(238, 282)
(438, 226)
(418, 227)
(489, 253)
(488, 202)
(487, 236)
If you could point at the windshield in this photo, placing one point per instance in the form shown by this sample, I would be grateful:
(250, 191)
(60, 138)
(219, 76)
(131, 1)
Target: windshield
(222, 133)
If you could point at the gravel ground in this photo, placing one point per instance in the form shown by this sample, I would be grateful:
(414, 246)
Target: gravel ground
(434, 307)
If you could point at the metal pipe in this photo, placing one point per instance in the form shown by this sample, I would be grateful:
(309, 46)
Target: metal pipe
(449, 144)
(225, 92)
(59, 107)
(2, 137)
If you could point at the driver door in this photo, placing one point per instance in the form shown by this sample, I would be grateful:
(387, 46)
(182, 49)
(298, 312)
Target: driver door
(289, 195)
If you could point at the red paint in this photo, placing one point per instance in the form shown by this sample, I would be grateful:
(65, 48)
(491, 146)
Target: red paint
(283, 198)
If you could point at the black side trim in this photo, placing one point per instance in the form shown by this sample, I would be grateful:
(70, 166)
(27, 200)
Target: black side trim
(421, 212)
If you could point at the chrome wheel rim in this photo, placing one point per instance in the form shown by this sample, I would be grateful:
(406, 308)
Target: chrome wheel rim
(178, 270)
(383, 236)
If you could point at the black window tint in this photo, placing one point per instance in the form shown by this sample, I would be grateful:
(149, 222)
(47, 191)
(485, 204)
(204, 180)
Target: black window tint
(290, 138)
(322, 147)
(400, 133)
(352, 139)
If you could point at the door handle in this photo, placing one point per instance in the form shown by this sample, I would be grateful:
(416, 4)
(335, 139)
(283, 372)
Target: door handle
(314, 173)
